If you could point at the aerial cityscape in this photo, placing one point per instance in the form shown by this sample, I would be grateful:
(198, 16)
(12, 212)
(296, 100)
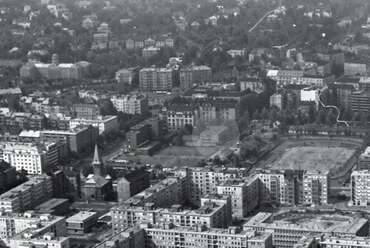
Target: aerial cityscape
(184, 124)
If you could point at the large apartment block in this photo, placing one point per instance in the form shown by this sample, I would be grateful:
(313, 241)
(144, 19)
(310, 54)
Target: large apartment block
(168, 235)
(13, 224)
(155, 79)
(130, 104)
(215, 211)
(27, 195)
(244, 194)
(360, 188)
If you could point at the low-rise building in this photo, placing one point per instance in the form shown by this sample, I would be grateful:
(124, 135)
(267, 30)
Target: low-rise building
(130, 104)
(193, 237)
(355, 69)
(288, 228)
(29, 239)
(81, 223)
(12, 224)
(215, 211)
(106, 124)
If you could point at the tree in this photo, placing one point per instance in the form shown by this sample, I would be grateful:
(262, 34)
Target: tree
(107, 108)
(311, 113)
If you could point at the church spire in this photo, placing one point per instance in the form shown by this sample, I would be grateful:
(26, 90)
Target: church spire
(97, 163)
(96, 159)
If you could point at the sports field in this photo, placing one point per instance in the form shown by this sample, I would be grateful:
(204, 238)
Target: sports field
(335, 155)
(313, 158)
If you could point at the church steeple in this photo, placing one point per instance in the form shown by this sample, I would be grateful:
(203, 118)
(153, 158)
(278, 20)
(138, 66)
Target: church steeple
(97, 163)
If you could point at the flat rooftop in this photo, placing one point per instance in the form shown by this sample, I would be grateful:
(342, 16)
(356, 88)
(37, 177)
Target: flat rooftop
(309, 222)
(52, 203)
(82, 216)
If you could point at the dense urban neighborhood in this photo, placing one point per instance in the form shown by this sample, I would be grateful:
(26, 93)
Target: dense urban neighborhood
(184, 123)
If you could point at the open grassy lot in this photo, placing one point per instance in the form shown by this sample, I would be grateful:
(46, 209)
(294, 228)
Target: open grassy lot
(316, 153)
(313, 158)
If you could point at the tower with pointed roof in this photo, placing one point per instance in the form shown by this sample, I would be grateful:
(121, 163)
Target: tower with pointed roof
(97, 163)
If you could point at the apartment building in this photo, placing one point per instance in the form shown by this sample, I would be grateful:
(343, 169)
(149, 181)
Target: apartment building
(215, 211)
(130, 104)
(27, 195)
(355, 69)
(193, 75)
(13, 224)
(125, 76)
(86, 111)
(168, 235)
(204, 181)
(46, 240)
(155, 79)
(364, 160)
(281, 187)
(288, 228)
(178, 117)
(360, 185)
(359, 101)
(244, 194)
(129, 238)
(105, 124)
(170, 191)
(315, 187)
(25, 156)
(77, 139)
(344, 242)
(181, 112)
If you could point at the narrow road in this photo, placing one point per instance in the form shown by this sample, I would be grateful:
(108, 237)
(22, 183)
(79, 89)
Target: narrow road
(333, 107)
(261, 20)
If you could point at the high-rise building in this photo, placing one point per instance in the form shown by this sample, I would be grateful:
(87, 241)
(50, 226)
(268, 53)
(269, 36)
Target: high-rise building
(281, 187)
(156, 79)
(192, 75)
(360, 185)
(244, 194)
(359, 101)
(315, 187)
(86, 111)
(26, 156)
(130, 104)
(27, 195)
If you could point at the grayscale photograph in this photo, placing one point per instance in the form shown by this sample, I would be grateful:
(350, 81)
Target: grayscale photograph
(184, 123)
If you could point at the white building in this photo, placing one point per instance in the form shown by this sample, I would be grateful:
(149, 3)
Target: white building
(29, 240)
(105, 124)
(27, 156)
(130, 104)
(315, 187)
(164, 236)
(13, 224)
(244, 195)
(360, 188)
